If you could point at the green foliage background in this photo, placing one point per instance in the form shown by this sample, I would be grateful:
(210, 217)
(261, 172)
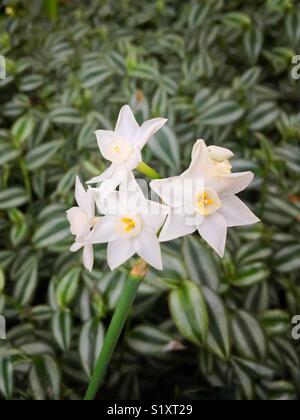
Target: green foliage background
(204, 328)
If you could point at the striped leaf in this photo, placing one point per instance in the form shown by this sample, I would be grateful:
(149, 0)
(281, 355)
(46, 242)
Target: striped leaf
(253, 41)
(287, 259)
(62, 328)
(150, 341)
(249, 338)
(7, 153)
(189, 312)
(6, 377)
(65, 115)
(90, 344)
(23, 128)
(275, 321)
(199, 263)
(67, 288)
(219, 338)
(44, 379)
(27, 281)
(39, 156)
(13, 197)
(250, 275)
(165, 146)
(31, 82)
(262, 116)
(221, 113)
(52, 232)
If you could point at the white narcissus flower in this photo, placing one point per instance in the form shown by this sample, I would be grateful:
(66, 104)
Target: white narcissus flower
(82, 219)
(202, 199)
(123, 146)
(130, 225)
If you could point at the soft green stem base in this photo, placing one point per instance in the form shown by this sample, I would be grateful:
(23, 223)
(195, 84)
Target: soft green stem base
(144, 169)
(117, 323)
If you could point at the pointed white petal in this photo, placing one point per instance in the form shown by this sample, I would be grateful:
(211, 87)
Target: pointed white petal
(105, 139)
(76, 246)
(147, 130)
(134, 160)
(131, 197)
(119, 251)
(103, 232)
(90, 203)
(148, 247)
(231, 184)
(80, 194)
(171, 190)
(105, 175)
(202, 166)
(79, 223)
(154, 215)
(176, 226)
(88, 257)
(236, 213)
(126, 126)
(214, 231)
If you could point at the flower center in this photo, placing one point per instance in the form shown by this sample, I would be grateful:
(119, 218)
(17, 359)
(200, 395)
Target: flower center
(120, 151)
(94, 221)
(207, 202)
(128, 226)
(223, 168)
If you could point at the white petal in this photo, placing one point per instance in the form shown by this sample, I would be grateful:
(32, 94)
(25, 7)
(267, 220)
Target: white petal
(148, 247)
(88, 257)
(90, 203)
(84, 199)
(103, 232)
(79, 223)
(154, 215)
(119, 251)
(131, 197)
(214, 231)
(110, 184)
(202, 166)
(176, 226)
(236, 213)
(76, 246)
(231, 184)
(105, 175)
(105, 139)
(220, 153)
(108, 204)
(80, 194)
(171, 190)
(147, 130)
(126, 126)
(134, 160)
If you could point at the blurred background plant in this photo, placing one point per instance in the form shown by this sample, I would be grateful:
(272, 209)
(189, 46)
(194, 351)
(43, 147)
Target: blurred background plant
(204, 328)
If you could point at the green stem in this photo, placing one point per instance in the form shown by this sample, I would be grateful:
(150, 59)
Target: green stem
(117, 323)
(145, 169)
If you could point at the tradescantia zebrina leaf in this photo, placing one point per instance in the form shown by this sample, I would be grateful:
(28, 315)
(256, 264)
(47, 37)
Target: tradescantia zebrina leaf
(189, 312)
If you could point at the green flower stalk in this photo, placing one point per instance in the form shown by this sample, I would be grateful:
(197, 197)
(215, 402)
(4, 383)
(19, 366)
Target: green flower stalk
(117, 323)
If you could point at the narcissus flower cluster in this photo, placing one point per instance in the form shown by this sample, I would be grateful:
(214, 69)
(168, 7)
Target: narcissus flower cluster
(203, 199)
